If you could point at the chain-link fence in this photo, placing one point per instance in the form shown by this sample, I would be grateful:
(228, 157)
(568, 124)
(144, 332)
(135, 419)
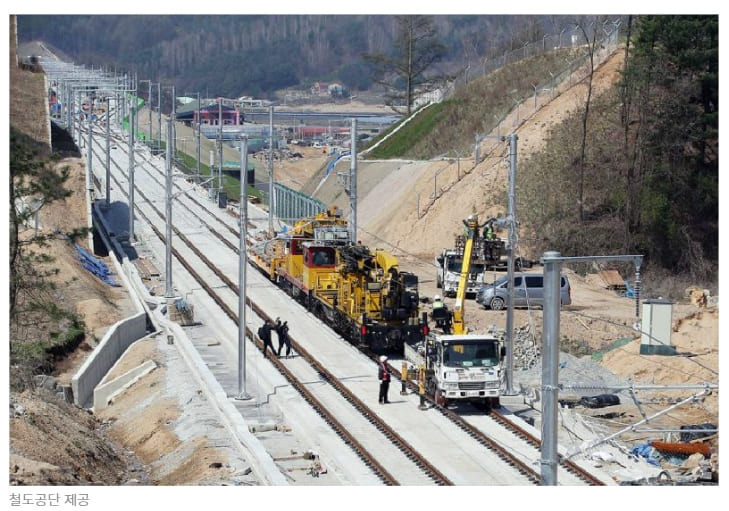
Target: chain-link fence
(571, 37)
(575, 70)
(525, 106)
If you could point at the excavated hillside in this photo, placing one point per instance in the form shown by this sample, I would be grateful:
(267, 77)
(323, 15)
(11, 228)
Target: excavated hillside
(389, 206)
(395, 212)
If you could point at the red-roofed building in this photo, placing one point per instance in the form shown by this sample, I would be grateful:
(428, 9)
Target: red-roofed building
(211, 114)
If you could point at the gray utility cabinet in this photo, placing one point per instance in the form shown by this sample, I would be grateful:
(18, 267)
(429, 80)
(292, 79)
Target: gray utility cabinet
(656, 328)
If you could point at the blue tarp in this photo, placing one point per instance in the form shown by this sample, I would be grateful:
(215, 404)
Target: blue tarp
(95, 266)
(629, 291)
(646, 451)
(332, 163)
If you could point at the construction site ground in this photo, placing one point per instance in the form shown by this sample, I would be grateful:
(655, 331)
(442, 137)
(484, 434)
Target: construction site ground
(52, 443)
(389, 218)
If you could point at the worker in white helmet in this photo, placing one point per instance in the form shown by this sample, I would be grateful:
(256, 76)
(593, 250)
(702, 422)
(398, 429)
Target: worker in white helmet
(437, 302)
(383, 374)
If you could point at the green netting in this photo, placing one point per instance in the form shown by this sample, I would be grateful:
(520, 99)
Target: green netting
(597, 355)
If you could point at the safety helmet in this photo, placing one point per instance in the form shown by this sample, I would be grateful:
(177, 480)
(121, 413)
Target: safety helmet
(383, 358)
(436, 297)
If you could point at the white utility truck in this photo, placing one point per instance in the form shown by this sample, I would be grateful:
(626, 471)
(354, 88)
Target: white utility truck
(448, 265)
(461, 366)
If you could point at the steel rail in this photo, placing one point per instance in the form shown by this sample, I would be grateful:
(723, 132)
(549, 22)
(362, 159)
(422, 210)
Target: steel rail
(482, 438)
(369, 459)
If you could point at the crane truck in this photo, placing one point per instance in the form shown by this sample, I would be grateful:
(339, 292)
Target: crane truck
(449, 264)
(461, 366)
(487, 253)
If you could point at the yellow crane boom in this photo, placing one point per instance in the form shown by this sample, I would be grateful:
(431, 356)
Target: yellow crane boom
(459, 326)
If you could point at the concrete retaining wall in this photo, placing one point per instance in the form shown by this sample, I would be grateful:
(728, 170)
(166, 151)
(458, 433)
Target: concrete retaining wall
(119, 337)
(105, 392)
(116, 341)
(124, 333)
(89, 196)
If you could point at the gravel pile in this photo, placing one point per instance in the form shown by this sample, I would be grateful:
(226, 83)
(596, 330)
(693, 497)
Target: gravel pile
(578, 376)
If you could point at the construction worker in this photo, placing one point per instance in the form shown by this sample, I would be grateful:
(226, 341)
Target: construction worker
(264, 333)
(489, 236)
(437, 302)
(383, 374)
(283, 338)
(277, 328)
(467, 228)
(441, 315)
(488, 231)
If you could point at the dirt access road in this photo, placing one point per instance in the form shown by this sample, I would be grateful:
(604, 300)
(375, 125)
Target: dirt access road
(391, 219)
(396, 212)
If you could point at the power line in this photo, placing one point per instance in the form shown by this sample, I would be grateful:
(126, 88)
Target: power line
(687, 357)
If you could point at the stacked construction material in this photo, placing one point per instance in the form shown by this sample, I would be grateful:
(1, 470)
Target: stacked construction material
(95, 266)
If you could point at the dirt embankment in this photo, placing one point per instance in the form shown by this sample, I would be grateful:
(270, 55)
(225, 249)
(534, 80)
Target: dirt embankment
(52, 442)
(393, 215)
(133, 441)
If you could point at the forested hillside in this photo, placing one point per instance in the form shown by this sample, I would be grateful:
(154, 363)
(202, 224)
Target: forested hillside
(636, 170)
(633, 170)
(235, 55)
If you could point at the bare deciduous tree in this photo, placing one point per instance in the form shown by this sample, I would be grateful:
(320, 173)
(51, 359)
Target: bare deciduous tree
(589, 31)
(405, 72)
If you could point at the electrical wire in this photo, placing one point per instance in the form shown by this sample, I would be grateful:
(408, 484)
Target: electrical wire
(531, 321)
(615, 323)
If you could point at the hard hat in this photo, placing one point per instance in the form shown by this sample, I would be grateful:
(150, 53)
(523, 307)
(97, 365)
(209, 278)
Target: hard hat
(436, 297)
(383, 358)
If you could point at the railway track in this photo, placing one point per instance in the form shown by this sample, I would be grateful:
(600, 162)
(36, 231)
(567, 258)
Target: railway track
(432, 473)
(514, 428)
(568, 465)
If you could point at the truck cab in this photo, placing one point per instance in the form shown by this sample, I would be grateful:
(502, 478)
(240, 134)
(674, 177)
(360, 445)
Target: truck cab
(466, 368)
(461, 368)
(449, 264)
